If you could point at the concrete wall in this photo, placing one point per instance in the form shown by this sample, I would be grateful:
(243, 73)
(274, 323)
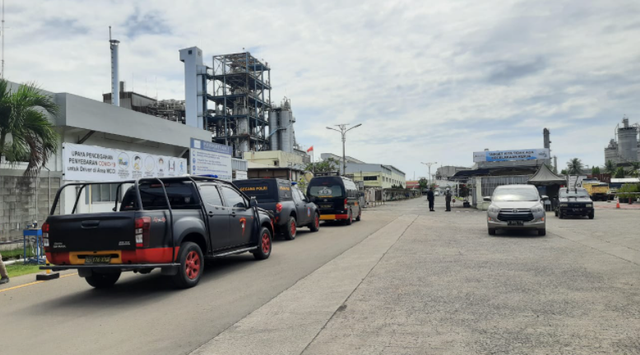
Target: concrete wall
(21, 202)
(276, 158)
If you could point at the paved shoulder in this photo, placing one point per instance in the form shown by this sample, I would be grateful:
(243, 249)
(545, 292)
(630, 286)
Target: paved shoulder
(289, 322)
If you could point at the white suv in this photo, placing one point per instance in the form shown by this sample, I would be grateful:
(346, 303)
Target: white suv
(516, 207)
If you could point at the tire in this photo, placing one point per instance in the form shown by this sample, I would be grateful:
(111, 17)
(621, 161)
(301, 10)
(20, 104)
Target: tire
(359, 218)
(492, 231)
(292, 229)
(264, 244)
(592, 215)
(315, 225)
(560, 215)
(349, 220)
(542, 232)
(105, 280)
(191, 265)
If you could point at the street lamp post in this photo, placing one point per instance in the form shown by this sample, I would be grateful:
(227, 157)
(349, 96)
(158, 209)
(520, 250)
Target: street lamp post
(429, 177)
(343, 131)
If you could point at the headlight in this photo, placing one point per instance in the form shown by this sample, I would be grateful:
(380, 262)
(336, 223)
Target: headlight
(493, 209)
(589, 205)
(564, 205)
(537, 210)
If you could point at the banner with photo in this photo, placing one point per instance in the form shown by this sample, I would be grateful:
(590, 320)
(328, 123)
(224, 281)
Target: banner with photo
(92, 163)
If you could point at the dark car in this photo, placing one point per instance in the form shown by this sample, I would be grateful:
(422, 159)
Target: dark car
(173, 224)
(337, 198)
(290, 207)
(574, 202)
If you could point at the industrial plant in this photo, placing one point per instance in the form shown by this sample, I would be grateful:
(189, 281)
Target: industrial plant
(624, 148)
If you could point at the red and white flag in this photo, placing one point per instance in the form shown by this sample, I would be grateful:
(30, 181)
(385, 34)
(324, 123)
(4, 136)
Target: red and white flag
(310, 149)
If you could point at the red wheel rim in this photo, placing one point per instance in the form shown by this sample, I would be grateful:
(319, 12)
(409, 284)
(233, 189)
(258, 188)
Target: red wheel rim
(293, 228)
(192, 265)
(317, 221)
(266, 243)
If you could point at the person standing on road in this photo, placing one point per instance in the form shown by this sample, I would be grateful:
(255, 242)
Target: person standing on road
(430, 197)
(3, 272)
(447, 199)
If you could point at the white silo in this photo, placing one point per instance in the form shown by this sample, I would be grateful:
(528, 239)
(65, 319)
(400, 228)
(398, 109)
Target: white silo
(627, 142)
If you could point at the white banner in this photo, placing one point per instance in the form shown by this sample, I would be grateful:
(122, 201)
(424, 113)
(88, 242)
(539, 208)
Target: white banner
(91, 163)
(211, 159)
(511, 155)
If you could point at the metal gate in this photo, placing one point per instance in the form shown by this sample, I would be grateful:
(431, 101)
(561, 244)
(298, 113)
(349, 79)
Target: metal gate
(489, 183)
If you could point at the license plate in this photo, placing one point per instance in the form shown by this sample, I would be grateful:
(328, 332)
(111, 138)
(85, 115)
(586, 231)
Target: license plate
(516, 223)
(97, 259)
(326, 206)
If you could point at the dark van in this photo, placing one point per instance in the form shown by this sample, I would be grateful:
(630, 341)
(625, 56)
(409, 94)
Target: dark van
(336, 197)
(291, 209)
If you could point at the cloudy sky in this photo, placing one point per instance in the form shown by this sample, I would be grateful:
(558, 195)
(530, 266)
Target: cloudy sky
(431, 81)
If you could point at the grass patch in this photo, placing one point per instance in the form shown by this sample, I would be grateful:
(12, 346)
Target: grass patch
(18, 269)
(15, 254)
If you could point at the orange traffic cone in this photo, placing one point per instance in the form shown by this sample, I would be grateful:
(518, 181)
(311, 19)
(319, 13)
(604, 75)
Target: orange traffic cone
(618, 203)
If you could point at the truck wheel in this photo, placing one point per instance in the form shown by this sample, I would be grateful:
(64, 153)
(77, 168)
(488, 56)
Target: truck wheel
(191, 265)
(292, 228)
(264, 245)
(349, 220)
(591, 215)
(105, 280)
(492, 231)
(359, 218)
(560, 215)
(542, 232)
(315, 225)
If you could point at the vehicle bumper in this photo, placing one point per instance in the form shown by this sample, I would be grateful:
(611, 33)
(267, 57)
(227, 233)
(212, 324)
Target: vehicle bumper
(334, 217)
(535, 224)
(576, 211)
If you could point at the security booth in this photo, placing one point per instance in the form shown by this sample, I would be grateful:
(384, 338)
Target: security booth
(548, 183)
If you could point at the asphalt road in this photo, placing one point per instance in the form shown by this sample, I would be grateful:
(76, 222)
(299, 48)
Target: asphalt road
(142, 314)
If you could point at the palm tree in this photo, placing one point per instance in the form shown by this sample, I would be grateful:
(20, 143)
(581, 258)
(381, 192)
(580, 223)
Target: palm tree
(609, 167)
(574, 166)
(25, 132)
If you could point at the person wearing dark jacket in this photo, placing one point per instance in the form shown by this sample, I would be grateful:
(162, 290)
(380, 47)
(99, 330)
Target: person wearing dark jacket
(447, 199)
(430, 197)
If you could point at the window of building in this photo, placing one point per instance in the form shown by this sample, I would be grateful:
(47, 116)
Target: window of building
(101, 193)
(370, 178)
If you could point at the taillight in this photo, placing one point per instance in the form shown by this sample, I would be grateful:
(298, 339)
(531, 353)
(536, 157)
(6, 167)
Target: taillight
(143, 226)
(346, 205)
(45, 236)
(278, 207)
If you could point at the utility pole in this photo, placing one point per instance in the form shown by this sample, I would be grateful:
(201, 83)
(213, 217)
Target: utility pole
(2, 74)
(343, 131)
(429, 177)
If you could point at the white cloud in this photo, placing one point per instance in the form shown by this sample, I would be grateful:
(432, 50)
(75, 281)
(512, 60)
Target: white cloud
(429, 80)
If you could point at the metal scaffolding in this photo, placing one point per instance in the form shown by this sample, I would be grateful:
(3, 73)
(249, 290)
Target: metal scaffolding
(242, 101)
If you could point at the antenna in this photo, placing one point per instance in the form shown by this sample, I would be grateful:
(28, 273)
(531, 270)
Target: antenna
(2, 74)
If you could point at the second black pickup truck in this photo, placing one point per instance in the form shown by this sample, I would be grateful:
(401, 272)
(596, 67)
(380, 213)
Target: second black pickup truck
(290, 206)
(169, 223)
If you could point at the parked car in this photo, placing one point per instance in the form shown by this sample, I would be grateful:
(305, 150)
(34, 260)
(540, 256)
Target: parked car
(290, 207)
(516, 207)
(337, 198)
(169, 223)
(574, 202)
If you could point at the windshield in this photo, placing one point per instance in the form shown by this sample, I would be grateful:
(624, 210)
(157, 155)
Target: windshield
(578, 194)
(515, 194)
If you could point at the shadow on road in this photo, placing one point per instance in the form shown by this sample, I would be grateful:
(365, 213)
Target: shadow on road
(517, 234)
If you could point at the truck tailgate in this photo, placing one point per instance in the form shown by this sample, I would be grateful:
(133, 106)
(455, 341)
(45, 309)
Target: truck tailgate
(92, 232)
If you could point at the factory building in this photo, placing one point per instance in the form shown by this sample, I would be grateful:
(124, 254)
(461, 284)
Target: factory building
(625, 147)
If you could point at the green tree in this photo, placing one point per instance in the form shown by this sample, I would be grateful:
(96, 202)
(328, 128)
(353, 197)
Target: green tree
(609, 167)
(26, 135)
(324, 166)
(633, 170)
(564, 172)
(595, 170)
(619, 173)
(575, 166)
(423, 183)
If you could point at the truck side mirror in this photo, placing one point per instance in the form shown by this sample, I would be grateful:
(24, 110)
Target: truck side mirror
(545, 197)
(253, 203)
(487, 198)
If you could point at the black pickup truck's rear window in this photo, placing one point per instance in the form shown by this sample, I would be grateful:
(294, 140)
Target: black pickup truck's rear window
(182, 195)
(266, 190)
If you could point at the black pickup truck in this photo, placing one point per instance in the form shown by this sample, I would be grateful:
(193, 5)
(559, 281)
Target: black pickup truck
(290, 206)
(169, 223)
(574, 202)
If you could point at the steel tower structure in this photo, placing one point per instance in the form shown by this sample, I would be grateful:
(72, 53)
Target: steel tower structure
(241, 99)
